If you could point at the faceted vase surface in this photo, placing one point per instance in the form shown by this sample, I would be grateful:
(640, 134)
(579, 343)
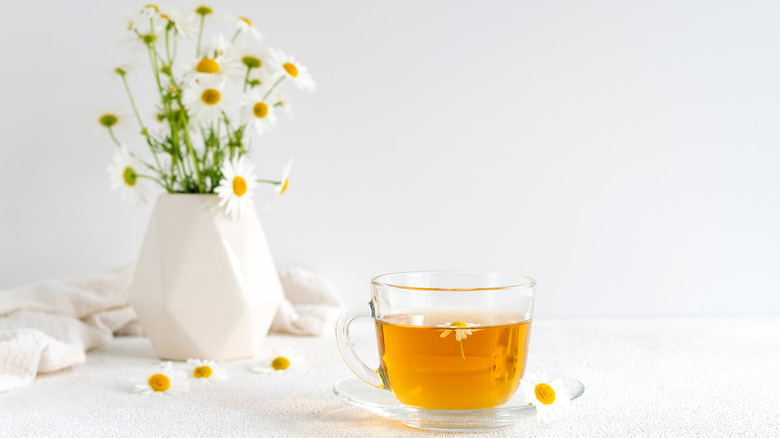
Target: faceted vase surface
(205, 285)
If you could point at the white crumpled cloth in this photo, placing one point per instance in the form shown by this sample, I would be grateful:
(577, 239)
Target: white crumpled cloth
(49, 326)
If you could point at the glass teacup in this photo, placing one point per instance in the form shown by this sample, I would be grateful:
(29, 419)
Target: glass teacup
(446, 340)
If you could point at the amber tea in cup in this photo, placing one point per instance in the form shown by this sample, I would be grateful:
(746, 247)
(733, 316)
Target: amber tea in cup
(446, 340)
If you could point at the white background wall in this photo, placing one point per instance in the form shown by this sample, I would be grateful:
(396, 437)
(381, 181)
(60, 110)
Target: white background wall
(625, 154)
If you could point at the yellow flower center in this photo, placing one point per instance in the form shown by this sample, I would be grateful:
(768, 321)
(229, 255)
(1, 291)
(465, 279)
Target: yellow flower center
(203, 10)
(160, 382)
(152, 7)
(260, 109)
(251, 62)
(246, 20)
(280, 363)
(459, 324)
(108, 120)
(164, 16)
(210, 96)
(291, 69)
(204, 371)
(129, 176)
(284, 186)
(207, 65)
(544, 393)
(239, 186)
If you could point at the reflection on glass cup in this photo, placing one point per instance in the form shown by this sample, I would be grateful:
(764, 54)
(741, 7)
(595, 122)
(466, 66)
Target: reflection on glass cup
(446, 340)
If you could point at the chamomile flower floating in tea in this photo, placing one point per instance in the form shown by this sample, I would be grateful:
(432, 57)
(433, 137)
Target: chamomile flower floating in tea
(461, 329)
(206, 371)
(547, 395)
(124, 173)
(164, 380)
(282, 361)
(237, 186)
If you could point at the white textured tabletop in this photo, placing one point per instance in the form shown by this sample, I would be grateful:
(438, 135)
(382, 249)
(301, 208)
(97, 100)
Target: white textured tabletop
(643, 377)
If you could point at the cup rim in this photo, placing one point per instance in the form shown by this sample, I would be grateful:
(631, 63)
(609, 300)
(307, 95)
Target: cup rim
(527, 282)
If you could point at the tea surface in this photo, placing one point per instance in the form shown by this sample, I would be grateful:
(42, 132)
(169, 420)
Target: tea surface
(475, 362)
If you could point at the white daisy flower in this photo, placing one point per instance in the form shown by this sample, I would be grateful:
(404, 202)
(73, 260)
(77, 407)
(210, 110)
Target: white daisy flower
(237, 187)
(461, 329)
(206, 371)
(150, 11)
(281, 187)
(288, 67)
(280, 102)
(281, 361)
(220, 67)
(547, 395)
(219, 46)
(206, 100)
(185, 24)
(257, 61)
(164, 381)
(256, 112)
(140, 19)
(152, 20)
(124, 173)
(244, 25)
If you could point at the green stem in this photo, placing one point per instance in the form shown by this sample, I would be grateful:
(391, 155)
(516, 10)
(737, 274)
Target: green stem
(159, 169)
(113, 137)
(200, 35)
(155, 67)
(235, 35)
(268, 181)
(132, 103)
(246, 78)
(273, 87)
(153, 179)
(461, 350)
(194, 160)
(168, 47)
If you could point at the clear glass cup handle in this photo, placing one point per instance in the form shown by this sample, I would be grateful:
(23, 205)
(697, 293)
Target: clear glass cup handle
(372, 377)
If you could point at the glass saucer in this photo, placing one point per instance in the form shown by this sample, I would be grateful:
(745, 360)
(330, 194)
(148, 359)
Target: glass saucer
(381, 402)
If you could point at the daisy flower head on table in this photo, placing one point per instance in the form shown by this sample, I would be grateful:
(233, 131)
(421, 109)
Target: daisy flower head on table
(461, 329)
(124, 173)
(281, 361)
(164, 380)
(206, 371)
(281, 185)
(288, 68)
(206, 100)
(547, 395)
(256, 112)
(237, 186)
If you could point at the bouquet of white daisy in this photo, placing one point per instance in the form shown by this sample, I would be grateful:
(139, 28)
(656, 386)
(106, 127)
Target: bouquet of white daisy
(210, 104)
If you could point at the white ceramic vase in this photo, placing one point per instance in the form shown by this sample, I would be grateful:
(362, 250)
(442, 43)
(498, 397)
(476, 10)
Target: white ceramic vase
(205, 285)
